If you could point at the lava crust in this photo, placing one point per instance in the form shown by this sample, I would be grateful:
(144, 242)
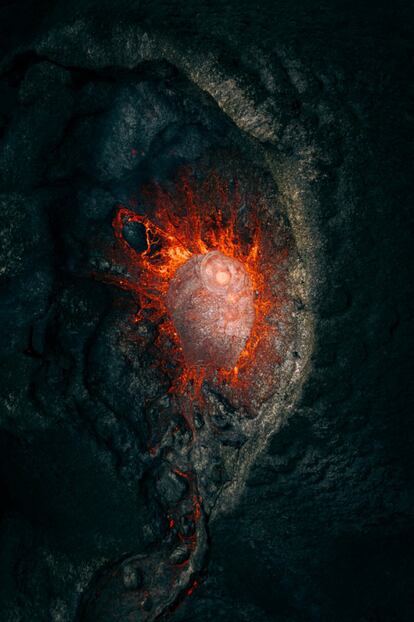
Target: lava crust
(211, 303)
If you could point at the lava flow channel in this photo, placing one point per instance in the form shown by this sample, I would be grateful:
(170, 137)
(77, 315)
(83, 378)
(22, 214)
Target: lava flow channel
(203, 279)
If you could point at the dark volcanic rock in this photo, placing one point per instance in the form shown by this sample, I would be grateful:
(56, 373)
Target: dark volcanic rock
(97, 99)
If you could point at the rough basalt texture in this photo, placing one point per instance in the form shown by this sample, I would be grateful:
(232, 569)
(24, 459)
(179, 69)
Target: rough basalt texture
(323, 529)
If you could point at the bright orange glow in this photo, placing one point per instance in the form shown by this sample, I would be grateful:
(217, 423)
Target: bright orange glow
(194, 220)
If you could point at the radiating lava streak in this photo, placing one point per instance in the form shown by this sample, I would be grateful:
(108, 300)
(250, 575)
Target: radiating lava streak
(201, 279)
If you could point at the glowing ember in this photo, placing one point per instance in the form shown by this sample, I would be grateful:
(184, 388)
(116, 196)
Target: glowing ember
(210, 300)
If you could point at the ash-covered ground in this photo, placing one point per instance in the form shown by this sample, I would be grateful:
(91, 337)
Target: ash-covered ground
(308, 501)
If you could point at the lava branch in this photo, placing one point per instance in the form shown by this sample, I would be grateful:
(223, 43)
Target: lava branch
(157, 581)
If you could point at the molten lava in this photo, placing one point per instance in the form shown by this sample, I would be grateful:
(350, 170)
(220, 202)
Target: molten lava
(205, 280)
(210, 299)
(215, 287)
